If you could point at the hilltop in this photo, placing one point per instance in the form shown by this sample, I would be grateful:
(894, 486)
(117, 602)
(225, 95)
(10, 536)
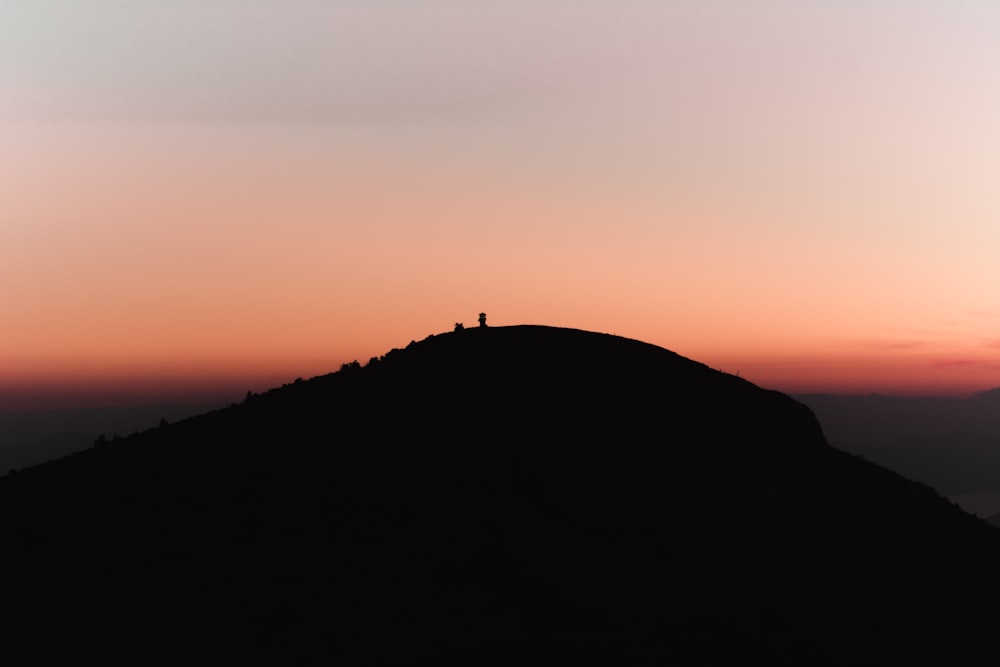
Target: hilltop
(508, 494)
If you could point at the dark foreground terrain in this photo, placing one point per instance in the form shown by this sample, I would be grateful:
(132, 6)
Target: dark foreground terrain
(515, 495)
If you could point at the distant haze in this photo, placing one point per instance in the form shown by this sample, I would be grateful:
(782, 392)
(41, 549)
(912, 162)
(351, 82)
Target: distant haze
(952, 445)
(201, 196)
(31, 437)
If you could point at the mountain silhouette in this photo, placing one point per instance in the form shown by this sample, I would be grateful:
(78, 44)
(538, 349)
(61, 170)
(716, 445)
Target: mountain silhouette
(498, 495)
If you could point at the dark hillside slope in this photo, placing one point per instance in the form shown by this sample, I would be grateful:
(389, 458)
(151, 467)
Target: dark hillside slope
(491, 496)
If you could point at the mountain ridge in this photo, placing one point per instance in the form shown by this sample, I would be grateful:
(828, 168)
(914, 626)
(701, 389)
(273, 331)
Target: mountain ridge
(528, 492)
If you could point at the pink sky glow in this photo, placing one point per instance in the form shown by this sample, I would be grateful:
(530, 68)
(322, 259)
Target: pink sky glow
(197, 199)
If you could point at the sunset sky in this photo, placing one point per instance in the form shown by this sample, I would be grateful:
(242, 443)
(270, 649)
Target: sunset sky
(201, 197)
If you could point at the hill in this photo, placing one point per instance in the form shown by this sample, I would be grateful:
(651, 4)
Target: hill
(515, 494)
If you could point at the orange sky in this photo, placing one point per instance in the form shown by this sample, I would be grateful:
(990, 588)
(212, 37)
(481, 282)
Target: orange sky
(205, 199)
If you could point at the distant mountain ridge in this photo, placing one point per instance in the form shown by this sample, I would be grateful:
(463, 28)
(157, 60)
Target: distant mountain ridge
(988, 394)
(517, 494)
